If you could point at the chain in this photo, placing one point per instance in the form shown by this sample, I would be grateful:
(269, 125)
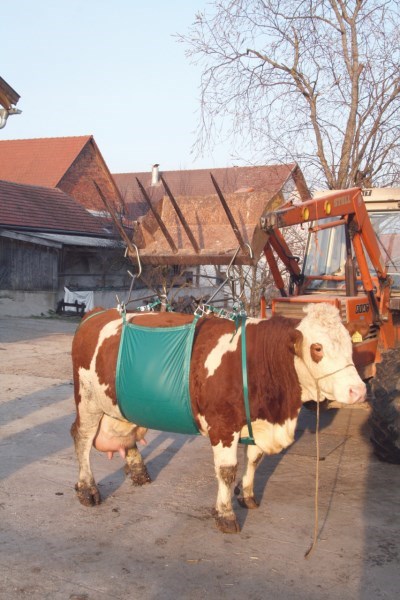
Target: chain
(235, 314)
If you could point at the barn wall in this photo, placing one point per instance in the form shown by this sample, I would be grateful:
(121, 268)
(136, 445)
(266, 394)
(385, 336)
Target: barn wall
(33, 276)
(88, 269)
(28, 278)
(78, 181)
(27, 267)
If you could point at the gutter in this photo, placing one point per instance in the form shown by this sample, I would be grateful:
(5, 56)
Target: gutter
(57, 231)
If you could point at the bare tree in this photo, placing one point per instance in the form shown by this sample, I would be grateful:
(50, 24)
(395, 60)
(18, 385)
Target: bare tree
(315, 81)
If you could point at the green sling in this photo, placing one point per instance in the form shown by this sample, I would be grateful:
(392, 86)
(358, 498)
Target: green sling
(152, 380)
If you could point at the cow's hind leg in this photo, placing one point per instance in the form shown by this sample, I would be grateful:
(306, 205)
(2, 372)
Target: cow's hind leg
(225, 461)
(83, 432)
(247, 499)
(136, 468)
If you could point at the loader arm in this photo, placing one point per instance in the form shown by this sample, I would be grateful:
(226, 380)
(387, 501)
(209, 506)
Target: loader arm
(277, 242)
(345, 207)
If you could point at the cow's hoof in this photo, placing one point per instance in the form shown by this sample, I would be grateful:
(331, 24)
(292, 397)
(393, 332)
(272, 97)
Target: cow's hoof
(227, 525)
(88, 495)
(249, 502)
(138, 477)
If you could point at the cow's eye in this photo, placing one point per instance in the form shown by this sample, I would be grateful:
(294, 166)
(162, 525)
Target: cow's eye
(316, 351)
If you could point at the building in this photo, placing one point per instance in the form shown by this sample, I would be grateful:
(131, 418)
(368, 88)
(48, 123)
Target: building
(48, 241)
(70, 164)
(54, 229)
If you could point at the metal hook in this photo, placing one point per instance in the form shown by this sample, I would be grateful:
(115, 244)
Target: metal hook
(122, 305)
(138, 260)
(251, 253)
(228, 271)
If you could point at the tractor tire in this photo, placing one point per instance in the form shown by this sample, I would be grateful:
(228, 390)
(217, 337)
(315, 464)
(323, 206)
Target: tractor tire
(385, 408)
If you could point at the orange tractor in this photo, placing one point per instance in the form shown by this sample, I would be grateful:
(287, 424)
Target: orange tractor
(352, 260)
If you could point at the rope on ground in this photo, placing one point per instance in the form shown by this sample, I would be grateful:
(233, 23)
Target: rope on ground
(315, 537)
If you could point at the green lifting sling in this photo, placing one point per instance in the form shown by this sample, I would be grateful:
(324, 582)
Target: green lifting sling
(152, 380)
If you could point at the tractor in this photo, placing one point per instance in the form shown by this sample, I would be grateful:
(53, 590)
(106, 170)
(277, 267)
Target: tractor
(352, 260)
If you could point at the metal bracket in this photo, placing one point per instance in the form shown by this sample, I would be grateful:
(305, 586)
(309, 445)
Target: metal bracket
(229, 276)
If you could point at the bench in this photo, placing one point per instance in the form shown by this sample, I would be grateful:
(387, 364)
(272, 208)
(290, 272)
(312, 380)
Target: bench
(66, 308)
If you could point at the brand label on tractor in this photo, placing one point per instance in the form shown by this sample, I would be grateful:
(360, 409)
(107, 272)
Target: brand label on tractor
(341, 201)
(362, 308)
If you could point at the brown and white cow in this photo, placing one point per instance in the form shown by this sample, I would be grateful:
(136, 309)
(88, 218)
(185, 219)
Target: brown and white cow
(286, 360)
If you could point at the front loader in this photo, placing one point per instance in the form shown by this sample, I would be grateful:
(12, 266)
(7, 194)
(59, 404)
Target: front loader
(352, 260)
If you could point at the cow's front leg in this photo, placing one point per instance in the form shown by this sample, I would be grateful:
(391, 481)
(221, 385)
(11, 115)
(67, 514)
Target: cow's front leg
(136, 468)
(254, 457)
(225, 461)
(83, 432)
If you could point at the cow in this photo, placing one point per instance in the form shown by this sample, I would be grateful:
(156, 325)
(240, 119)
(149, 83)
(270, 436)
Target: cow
(288, 363)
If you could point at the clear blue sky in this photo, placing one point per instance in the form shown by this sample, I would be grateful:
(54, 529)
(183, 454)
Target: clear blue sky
(109, 68)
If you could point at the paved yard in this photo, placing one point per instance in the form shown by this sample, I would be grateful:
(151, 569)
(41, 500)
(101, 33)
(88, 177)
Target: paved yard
(159, 541)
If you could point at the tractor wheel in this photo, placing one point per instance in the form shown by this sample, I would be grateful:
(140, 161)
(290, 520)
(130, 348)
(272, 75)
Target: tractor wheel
(385, 404)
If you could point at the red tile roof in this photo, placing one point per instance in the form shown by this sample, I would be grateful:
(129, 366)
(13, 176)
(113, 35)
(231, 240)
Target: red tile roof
(197, 182)
(40, 161)
(31, 208)
(249, 192)
(209, 226)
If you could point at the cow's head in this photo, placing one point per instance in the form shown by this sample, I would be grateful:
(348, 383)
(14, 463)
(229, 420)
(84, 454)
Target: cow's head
(324, 357)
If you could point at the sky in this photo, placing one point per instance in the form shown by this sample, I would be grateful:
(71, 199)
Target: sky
(111, 69)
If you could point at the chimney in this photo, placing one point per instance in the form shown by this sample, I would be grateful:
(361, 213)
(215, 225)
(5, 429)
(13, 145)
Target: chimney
(155, 175)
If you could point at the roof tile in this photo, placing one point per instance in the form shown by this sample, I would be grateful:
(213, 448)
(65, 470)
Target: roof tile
(39, 161)
(249, 192)
(210, 227)
(33, 208)
(197, 182)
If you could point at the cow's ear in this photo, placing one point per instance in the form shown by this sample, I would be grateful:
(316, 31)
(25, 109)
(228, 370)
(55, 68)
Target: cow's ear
(297, 343)
(317, 352)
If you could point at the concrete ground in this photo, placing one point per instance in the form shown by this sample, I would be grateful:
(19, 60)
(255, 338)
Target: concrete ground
(159, 541)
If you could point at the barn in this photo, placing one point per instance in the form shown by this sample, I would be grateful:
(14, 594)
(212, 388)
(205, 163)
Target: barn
(175, 218)
(49, 242)
(54, 231)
